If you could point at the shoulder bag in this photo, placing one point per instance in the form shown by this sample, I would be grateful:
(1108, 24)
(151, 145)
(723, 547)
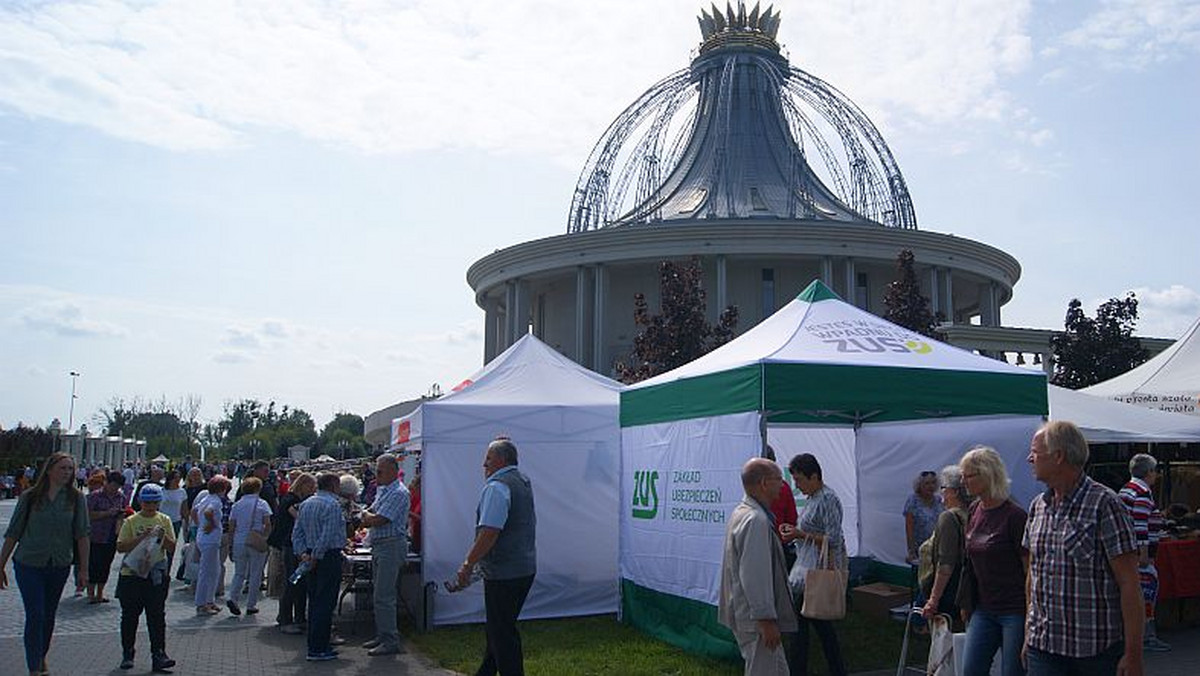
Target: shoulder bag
(256, 539)
(824, 589)
(968, 589)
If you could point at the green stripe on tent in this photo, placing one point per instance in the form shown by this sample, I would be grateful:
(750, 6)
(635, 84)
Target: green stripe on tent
(682, 622)
(733, 391)
(816, 291)
(832, 393)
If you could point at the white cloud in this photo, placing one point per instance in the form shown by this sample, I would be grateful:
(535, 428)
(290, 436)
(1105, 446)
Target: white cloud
(242, 338)
(275, 328)
(66, 318)
(1167, 312)
(524, 75)
(1138, 33)
(232, 357)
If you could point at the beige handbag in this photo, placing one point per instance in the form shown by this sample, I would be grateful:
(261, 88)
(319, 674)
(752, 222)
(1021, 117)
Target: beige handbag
(824, 589)
(255, 539)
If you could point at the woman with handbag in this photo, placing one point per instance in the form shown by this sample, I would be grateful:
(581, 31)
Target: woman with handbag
(940, 588)
(250, 523)
(49, 523)
(206, 514)
(820, 556)
(992, 596)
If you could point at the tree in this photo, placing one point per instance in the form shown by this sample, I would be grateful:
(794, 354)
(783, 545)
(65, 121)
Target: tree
(1093, 350)
(158, 423)
(679, 333)
(906, 306)
(251, 429)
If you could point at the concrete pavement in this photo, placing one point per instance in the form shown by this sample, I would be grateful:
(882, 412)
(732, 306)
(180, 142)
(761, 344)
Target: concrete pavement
(87, 638)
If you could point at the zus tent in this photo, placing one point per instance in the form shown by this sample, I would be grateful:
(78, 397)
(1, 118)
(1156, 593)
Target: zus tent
(563, 420)
(874, 402)
(1169, 382)
(1104, 421)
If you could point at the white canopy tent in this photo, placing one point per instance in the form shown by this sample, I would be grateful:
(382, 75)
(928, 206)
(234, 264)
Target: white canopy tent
(1169, 382)
(563, 420)
(874, 402)
(1104, 421)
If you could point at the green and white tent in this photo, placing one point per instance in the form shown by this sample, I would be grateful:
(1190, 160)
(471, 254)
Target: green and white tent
(874, 402)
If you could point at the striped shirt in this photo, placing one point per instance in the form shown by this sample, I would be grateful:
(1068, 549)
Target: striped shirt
(1075, 603)
(1147, 521)
(320, 526)
(391, 501)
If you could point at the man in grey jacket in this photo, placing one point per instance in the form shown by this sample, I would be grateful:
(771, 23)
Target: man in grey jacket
(756, 603)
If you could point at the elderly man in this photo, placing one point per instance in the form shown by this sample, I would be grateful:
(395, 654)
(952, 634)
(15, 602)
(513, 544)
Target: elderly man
(157, 476)
(387, 518)
(506, 553)
(755, 601)
(1138, 497)
(318, 537)
(1084, 601)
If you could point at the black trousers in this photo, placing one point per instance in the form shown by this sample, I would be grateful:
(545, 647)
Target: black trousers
(502, 602)
(798, 650)
(140, 595)
(100, 558)
(293, 601)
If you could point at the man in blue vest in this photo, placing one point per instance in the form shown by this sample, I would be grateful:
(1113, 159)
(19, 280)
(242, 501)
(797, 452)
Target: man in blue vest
(505, 551)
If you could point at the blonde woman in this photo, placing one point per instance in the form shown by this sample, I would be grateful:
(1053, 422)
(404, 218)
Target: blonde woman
(995, 529)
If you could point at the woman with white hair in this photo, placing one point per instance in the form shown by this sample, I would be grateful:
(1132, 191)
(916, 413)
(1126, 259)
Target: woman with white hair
(995, 529)
(941, 588)
(1147, 527)
(921, 512)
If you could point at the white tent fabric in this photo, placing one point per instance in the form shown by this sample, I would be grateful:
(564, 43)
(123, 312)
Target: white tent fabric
(1104, 421)
(804, 376)
(563, 420)
(1169, 382)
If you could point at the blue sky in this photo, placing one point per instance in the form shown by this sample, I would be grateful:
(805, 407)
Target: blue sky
(280, 199)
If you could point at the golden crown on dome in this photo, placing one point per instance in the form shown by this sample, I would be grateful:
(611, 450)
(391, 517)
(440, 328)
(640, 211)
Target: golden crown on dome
(739, 28)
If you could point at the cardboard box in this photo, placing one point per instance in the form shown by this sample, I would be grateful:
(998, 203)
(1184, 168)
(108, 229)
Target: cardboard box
(877, 598)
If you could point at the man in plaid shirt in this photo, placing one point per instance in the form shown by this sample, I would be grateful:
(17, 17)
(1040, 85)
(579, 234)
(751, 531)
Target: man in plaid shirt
(1084, 601)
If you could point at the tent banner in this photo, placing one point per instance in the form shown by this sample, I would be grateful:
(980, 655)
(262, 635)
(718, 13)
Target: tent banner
(834, 449)
(679, 483)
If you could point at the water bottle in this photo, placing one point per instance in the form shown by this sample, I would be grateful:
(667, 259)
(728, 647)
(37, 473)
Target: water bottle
(454, 587)
(301, 571)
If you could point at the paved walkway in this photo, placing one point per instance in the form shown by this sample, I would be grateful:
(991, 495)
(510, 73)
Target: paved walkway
(87, 639)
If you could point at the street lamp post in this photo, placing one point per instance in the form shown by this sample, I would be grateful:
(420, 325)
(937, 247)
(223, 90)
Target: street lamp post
(71, 417)
(342, 445)
(254, 444)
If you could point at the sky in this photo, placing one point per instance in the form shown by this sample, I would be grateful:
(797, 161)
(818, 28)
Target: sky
(279, 199)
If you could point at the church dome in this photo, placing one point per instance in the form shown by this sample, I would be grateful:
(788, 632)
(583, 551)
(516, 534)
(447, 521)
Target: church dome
(741, 135)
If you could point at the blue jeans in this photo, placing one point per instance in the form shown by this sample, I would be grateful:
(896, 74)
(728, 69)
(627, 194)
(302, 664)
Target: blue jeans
(1102, 664)
(41, 588)
(989, 631)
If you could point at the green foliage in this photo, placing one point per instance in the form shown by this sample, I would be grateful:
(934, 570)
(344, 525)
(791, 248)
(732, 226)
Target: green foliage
(680, 332)
(906, 306)
(24, 446)
(251, 430)
(1093, 350)
(164, 426)
(601, 645)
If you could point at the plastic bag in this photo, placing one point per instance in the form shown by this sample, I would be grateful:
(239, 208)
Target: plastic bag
(140, 559)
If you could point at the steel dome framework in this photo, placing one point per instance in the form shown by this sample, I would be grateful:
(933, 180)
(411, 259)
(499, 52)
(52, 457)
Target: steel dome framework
(741, 134)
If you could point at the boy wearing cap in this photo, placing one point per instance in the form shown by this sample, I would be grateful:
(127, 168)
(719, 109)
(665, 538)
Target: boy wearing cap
(148, 594)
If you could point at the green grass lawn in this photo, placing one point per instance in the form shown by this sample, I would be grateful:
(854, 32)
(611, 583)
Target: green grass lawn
(601, 645)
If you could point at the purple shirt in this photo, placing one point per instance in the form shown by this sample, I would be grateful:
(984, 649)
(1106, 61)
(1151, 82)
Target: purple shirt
(994, 547)
(104, 530)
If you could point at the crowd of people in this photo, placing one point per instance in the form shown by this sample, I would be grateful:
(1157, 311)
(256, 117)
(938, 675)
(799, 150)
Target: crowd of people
(79, 519)
(1065, 586)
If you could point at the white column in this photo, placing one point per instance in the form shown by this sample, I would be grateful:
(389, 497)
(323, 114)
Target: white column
(521, 324)
(987, 299)
(510, 314)
(581, 313)
(491, 318)
(827, 271)
(722, 286)
(848, 293)
(599, 361)
(934, 295)
(948, 294)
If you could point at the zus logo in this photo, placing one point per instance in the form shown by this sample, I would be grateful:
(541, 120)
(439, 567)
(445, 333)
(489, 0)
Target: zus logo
(880, 344)
(645, 494)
